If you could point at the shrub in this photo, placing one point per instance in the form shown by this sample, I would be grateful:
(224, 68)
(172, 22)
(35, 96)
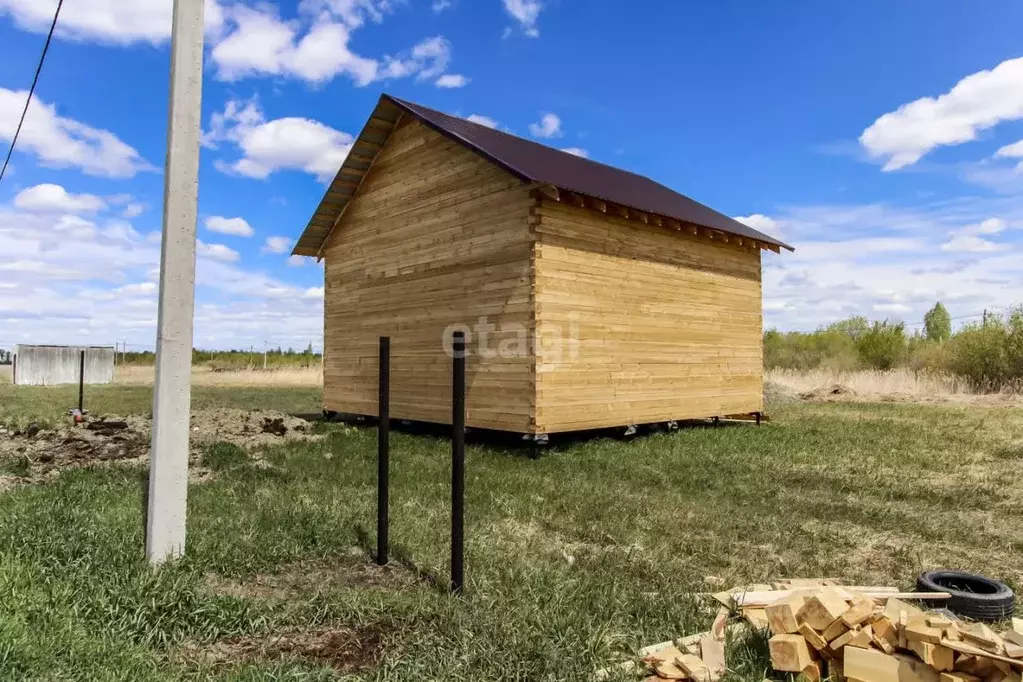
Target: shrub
(883, 345)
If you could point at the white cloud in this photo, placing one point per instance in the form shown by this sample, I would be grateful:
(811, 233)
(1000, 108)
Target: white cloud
(71, 279)
(971, 244)
(138, 289)
(428, 59)
(452, 80)
(577, 151)
(526, 13)
(989, 226)
(216, 251)
(354, 13)
(314, 293)
(281, 144)
(261, 43)
(977, 102)
(548, 126)
(133, 210)
(891, 308)
(105, 21)
(439, 6)
(61, 142)
(237, 227)
(1012, 151)
(877, 258)
(315, 47)
(297, 261)
(482, 120)
(277, 245)
(761, 223)
(970, 238)
(49, 198)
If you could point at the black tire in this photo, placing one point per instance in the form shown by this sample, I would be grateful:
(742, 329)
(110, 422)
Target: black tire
(973, 596)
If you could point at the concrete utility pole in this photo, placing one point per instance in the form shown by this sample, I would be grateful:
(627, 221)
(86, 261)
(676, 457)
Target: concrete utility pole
(168, 461)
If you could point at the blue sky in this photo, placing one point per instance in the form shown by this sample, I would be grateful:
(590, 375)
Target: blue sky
(884, 140)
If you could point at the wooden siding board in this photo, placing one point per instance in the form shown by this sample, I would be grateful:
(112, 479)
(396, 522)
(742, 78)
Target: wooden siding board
(664, 325)
(436, 236)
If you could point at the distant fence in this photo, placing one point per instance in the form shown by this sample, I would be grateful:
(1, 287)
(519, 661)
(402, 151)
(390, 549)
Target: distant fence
(49, 365)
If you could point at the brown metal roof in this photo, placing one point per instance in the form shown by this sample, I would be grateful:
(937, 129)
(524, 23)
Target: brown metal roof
(534, 162)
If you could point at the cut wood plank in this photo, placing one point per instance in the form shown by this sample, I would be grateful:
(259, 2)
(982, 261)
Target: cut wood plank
(934, 655)
(1013, 650)
(822, 609)
(663, 662)
(757, 618)
(885, 634)
(858, 613)
(894, 606)
(712, 651)
(967, 648)
(835, 630)
(695, 668)
(1013, 635)
(1017, 625)
(782, 615)
(768, 597)
(717, 629)
(982, 636)
(958, 677)
(811, 673)
(789, 653)
(812, 637)
(917, 630)
(863, 638)
(839, 643)
(868, 665)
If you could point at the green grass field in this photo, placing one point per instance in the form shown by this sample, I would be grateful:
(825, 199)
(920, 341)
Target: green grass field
(573, 561)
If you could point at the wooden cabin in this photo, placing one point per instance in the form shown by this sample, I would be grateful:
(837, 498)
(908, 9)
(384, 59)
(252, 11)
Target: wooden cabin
(591, 296)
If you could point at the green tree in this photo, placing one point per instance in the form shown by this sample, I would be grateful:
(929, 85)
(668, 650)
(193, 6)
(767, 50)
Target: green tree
(855, 327)
(883, 346)
(938, 324)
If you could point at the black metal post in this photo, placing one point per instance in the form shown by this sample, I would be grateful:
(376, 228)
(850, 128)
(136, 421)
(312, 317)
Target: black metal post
(81, 384)
(457, 462)
(383, 449)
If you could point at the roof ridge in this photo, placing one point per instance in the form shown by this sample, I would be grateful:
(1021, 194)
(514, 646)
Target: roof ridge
(406, 103)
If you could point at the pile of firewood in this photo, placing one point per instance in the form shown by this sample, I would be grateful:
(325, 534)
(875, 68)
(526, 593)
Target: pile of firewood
(875, 636)
(846, 633)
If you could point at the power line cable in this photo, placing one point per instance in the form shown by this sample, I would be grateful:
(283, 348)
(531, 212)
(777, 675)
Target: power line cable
(31, 91)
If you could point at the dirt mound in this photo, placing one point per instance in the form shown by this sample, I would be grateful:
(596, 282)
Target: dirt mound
(345, 650)
(36, 453)
(826, 393)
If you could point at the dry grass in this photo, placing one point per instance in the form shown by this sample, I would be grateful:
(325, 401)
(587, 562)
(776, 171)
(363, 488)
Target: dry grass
(897, 384)
(205, 376)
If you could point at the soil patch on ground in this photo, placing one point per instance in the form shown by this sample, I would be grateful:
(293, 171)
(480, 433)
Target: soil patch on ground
(33, 454)
(354, 570)
(346, 650)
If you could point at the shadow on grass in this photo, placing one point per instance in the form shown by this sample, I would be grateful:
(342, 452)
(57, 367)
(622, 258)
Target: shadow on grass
(518, 445)
(400, 554)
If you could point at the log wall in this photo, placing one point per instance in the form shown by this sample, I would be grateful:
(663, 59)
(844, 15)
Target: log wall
(638, 324)
(436, 236)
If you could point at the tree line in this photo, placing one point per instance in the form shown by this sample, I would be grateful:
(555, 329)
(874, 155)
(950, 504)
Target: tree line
(276, 358)
(988, 354)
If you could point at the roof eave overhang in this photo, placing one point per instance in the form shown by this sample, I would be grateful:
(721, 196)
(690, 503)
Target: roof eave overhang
(577, 198)
(349, 177)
